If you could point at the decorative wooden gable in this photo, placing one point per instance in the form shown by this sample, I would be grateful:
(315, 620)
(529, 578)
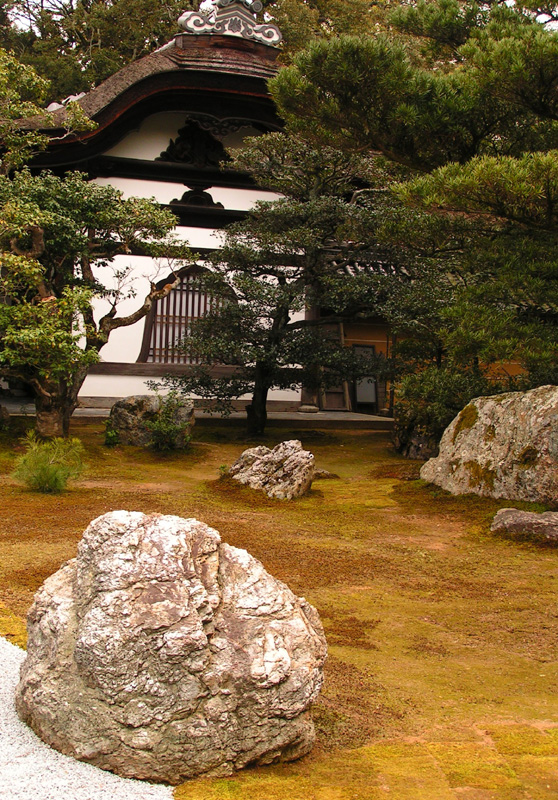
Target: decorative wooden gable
(195, 147)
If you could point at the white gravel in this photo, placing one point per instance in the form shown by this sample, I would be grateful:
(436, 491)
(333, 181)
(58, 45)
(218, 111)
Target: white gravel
(30, 769)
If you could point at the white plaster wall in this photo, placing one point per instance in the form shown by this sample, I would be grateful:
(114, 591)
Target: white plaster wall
(126, 385)
(155, 132)
(162, 192)
(125, 343)
(151, 138)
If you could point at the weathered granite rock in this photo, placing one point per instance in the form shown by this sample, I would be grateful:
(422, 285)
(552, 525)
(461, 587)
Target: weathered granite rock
(512, 521)
(162, 653)
(129, 415)
(502, 446)
(284, 473)
(307, 408)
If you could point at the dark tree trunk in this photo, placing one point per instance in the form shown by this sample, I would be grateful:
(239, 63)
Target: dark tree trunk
(55, 405)
(53, 417)
(256, 412)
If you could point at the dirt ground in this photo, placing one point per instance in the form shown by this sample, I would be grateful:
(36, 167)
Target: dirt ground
(441, 682)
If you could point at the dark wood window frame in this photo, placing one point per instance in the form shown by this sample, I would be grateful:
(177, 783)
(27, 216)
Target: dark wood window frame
(168, 320)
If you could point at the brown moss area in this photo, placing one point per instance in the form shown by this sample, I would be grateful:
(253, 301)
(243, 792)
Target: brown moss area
(466, 419)
(443, 641)
(490, 433)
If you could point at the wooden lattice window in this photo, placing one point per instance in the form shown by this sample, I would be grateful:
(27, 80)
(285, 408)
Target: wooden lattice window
(170, 320)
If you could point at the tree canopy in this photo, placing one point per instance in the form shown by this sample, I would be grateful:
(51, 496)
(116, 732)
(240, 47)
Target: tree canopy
(79, 43)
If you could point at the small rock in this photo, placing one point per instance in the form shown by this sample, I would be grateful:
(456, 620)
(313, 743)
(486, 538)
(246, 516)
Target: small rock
(162, 653)
(414, 445)
(129, 415)
(308, 409)
(283, 473)
(509, 521)
(324, 475)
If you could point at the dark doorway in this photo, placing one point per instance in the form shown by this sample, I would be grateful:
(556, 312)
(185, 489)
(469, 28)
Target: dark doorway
(365, 390)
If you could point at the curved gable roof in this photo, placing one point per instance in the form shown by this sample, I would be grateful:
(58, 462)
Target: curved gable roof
(220, 75)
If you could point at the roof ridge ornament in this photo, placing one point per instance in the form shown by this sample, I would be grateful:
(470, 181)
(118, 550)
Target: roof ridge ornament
(232, 18)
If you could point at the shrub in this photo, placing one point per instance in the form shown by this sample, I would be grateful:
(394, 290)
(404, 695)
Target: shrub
(111, 436)
(47, 466)
(428, 401)
(167, 431)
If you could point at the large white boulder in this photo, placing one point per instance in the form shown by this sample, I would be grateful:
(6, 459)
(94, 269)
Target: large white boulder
(162, 653)
(504, 446)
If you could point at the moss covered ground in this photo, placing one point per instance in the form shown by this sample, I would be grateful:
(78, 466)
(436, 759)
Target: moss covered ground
(441, 682)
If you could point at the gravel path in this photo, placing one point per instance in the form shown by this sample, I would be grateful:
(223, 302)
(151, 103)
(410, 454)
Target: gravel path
(31, 769)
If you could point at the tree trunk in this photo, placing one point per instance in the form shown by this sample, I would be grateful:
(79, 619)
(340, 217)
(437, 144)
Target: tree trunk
(256, 412)
(55, 405)
(53, 416)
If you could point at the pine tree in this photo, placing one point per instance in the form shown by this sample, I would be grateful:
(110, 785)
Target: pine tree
(465, 98)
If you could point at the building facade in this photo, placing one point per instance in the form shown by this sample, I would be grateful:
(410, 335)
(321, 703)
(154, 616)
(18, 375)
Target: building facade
(164, 124)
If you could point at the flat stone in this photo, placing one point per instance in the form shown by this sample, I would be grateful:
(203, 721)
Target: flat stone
(512, 521)
(325, 475)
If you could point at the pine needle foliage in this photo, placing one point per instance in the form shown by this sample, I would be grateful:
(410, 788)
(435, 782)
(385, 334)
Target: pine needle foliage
(47, 466)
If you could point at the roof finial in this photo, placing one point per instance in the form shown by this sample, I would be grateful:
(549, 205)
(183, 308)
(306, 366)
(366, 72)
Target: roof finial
(254, 6)
(233, 18)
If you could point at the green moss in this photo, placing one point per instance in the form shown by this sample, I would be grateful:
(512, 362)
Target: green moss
(538, 774)
(490, 433)
(474, 765)
(409, 772)
(343, 776)
(480, 476)
(437, 630)
(466, 419)
(525, 740)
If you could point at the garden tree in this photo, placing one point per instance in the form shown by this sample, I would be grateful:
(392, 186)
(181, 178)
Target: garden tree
(465, 97)
(290, 254)
(78, 44)
(21, 93)
(58, 241)
(52, 234)
(301, 21)
(512, 288)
